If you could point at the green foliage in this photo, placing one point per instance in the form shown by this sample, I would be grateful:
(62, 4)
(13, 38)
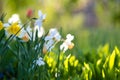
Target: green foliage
(104, 66)
(18, 57)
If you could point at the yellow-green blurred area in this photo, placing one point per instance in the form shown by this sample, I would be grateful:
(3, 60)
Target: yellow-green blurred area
(92, 22)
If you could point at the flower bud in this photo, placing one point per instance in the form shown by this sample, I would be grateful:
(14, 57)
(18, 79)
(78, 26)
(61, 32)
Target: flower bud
(29, 13)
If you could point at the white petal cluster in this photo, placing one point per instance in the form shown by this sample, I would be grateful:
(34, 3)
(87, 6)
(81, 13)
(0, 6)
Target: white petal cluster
(40, 61)
(41, 18)
(38, 24)
(26, 34)
(53, 35)
(67, 44)
(52, 38)
(13, 25)
(14, 18)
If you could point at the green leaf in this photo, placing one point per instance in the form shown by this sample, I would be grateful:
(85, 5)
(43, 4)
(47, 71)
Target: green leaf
(106, 49)
(117, 50)
(86, 66)
(98, 62)
(103, 51)
(103, 73)
(112, 60)
(106, 62)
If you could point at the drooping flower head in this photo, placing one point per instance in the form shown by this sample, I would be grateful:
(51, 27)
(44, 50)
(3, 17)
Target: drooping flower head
(53, 34)
(67, 44)
(40, 20)
(52, 38)
(26, 34)
(38, 24)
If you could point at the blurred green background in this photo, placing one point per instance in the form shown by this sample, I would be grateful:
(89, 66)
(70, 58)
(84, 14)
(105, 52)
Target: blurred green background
(92, 22)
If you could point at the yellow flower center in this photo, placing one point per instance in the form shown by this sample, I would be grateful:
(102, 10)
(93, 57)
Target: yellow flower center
(71, 46)
(14, 29)
(1, 25)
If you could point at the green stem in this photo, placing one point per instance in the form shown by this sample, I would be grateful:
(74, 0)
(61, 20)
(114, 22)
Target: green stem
(58, 78)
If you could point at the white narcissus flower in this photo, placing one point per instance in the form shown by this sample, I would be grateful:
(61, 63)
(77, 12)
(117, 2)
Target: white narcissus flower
(38, 24)
(49, 45)
(41, 18)
(39, 62)
(67, 44)
(12, 20)
(26, 34)
(51, 39)
(17, 30)
(53, 34)
(13, 27)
